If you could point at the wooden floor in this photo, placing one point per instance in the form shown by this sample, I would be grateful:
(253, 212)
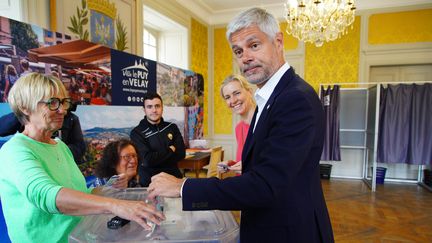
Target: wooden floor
(394, 213)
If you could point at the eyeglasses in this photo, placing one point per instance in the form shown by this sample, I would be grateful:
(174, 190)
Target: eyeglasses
(128, 157)
(54, 103)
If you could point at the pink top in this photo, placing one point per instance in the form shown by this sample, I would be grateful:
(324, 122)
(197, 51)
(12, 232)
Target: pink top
(241, 131)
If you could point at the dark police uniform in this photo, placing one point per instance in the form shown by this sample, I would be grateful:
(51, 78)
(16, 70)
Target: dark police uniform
(153, 143)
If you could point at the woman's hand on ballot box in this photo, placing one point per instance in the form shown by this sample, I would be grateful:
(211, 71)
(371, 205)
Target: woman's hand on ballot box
(229, 165)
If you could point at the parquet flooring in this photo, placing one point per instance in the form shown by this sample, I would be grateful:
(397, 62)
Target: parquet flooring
(394, 213)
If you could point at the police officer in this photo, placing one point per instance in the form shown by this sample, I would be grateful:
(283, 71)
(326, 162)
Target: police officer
(160, 144)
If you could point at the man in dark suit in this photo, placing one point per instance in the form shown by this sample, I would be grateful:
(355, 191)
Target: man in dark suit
(279, 191)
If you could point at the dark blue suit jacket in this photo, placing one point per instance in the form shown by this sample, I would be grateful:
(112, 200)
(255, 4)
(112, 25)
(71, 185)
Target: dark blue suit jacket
(279, 192)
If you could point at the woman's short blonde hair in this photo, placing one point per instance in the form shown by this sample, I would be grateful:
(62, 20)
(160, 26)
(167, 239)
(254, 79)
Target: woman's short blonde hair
(236, 78)
(30, 89)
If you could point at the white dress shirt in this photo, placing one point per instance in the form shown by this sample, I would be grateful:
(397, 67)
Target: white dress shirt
(263, 94)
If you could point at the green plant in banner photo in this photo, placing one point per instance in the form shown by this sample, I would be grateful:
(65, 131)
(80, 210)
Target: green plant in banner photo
(121, 38)
(80, 20)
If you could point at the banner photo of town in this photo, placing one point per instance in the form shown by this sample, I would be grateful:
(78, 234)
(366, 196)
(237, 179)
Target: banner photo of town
(107, 85)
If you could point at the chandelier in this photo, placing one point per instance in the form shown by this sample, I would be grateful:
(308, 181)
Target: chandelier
(319, 21)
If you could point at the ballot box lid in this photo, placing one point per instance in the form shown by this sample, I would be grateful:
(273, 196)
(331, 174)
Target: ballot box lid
(179, 226)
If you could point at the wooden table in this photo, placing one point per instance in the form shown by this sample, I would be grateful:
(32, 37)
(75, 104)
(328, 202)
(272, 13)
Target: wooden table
(195, 163)
(230, 173)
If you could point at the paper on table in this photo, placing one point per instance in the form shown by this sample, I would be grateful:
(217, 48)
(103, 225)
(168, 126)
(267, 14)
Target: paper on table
(198, 143)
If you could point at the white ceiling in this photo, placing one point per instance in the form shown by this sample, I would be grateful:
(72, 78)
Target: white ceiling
(217, 12)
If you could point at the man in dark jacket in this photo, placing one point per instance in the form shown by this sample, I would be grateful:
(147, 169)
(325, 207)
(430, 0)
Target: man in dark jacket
(160, 144)
(70, 133)
(279, 191)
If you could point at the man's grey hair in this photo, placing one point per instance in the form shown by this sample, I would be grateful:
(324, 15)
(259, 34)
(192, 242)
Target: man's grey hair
(254, 16)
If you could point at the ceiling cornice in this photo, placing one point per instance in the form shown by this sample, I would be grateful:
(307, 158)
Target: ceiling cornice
(221, 17)
(199, 9)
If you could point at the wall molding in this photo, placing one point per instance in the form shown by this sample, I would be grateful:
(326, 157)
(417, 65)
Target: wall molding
(171, 9)
(228, 143)
(396, 48)
(392, 9)
(388, 57)
(296, 58)
(390, 54)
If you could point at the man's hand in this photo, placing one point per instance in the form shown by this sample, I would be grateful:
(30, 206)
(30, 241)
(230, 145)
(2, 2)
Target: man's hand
(164, 185)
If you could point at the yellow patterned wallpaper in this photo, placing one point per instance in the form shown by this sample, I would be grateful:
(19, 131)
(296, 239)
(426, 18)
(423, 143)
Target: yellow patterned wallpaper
(336, 61)
(199, 60)
(223, 66)
(400, 27)
(290, 43)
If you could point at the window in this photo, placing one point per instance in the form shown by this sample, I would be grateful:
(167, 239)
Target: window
(12, 10)
(150, 45)
(165, 40)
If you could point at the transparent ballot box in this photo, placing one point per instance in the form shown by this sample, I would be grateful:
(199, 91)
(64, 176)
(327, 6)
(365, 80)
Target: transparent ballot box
(179, 226)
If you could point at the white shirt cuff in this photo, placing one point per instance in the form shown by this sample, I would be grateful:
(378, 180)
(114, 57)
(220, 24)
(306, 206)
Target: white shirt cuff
(181, 188)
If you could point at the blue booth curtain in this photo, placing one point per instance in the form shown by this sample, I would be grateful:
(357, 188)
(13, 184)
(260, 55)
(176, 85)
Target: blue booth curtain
(330, 101)
(405, 125)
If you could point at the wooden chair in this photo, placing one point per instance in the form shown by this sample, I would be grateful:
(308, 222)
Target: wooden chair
(210, 170)
(215, 158)
(230, 173)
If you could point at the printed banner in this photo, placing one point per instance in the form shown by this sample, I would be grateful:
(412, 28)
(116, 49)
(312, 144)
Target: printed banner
(107, 85)
(132, 78)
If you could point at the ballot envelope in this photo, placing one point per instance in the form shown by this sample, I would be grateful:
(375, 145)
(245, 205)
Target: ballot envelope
(179, 226)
